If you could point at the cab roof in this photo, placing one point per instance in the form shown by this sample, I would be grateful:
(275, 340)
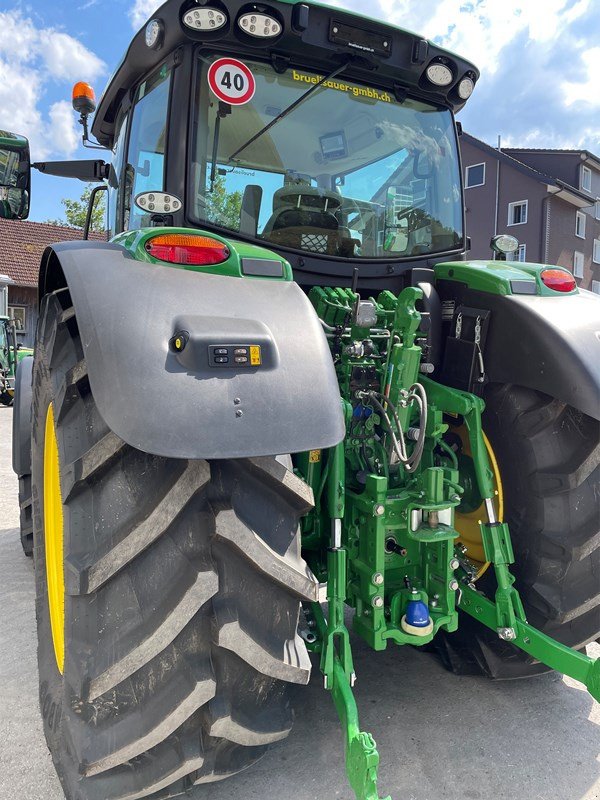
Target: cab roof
(315, 36)
(13, 140)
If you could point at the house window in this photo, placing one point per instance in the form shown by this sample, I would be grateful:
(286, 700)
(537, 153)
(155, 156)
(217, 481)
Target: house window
(17, 314)
(475, 176)
(586, 179)
(596, 287)
(578, 264)
(596, 255)
(580, 224)
(517, 213)
(521, 253)
(597, 208)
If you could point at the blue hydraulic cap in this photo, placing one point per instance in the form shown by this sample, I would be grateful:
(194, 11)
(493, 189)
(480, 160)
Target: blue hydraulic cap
(417, 621)
(417, 612)
(362, 412)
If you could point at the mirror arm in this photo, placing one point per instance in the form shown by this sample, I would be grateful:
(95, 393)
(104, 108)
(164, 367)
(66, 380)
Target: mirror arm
(85, 139)
(87, 171)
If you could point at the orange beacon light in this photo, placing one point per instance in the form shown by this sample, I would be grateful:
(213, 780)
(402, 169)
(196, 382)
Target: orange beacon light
(84, 98)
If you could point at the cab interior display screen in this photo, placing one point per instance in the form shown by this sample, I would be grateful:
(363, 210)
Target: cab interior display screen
(333, 145)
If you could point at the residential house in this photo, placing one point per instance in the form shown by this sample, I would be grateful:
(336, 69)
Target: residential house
(22, 245)
(548, 199)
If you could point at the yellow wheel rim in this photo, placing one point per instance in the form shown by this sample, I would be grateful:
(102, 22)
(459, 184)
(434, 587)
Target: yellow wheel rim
(468, 524)
(53, 539)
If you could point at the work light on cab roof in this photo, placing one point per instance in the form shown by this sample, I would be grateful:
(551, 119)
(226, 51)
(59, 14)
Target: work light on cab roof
(204, 19)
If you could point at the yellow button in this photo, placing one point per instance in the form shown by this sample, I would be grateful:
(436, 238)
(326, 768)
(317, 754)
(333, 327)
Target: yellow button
(314, 456)
(255, 359)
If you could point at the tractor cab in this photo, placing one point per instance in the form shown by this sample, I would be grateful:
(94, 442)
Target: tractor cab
(290, 128)
(345, 171)
(324, 136)
(14, 176)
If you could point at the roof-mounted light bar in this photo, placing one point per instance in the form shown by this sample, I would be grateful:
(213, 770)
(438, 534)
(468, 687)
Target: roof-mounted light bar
(263, 26)
(439, 74)
(204, 19)
(465, 88)
(154, 34)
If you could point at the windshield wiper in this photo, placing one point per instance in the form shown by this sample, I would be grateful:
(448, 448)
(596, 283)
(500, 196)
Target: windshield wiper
(223, 111)
(287, 110)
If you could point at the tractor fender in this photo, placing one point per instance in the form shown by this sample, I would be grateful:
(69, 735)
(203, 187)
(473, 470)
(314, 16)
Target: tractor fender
(550, 344)
(21, 422)
(175, 404)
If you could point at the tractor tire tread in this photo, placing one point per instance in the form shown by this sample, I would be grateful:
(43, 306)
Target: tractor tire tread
(169, 568)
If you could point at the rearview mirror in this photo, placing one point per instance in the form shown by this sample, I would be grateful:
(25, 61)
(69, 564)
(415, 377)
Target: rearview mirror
(15, 176)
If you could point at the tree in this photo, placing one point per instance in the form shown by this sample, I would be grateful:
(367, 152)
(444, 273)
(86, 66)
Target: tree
(223, 207)
(76, 211)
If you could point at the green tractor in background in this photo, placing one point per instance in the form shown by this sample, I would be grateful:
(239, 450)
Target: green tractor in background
(8, 360)
(14, 204)
(351, 411)
(11, 351)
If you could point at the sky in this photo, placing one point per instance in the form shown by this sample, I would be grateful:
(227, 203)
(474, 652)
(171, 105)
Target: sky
(539, 59)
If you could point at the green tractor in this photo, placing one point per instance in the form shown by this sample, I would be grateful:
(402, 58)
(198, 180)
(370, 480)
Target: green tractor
(11, 355)
(12, 352)
(350, 411)
(8, 360)
(14, 204)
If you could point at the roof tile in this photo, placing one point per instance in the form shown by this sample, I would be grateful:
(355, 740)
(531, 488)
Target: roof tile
(23, 243)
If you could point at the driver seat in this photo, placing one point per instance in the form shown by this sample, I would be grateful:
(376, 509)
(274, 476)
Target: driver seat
(304, 218)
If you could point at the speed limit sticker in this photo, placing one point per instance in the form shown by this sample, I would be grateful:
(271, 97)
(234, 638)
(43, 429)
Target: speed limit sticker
(231, 81)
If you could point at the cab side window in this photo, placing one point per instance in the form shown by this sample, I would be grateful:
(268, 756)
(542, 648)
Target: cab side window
(145, 168)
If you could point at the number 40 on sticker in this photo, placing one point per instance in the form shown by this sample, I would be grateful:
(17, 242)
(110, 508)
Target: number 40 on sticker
(231, 81)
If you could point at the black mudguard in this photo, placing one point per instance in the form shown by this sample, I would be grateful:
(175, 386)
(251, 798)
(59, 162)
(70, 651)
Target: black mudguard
(175, 404)
(550, 344)
(21, 423)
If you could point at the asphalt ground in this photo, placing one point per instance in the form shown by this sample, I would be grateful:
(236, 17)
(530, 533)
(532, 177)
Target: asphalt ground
(440, 737)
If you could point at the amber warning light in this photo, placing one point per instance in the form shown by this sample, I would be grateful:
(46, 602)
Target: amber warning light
(84, 98)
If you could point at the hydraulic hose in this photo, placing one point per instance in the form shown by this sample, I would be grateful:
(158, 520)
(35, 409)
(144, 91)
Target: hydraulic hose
(416, 393)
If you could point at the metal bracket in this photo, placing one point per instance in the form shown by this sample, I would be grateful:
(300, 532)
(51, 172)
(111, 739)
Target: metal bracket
(362, 758)
(498, 550)
(547, 650)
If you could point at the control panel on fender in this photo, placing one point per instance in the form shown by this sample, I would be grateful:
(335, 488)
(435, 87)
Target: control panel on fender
(234, 355)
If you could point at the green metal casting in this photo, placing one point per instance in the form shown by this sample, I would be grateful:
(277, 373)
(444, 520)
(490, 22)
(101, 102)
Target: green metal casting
(362, 758)
(545, 649)
(495, 277)
(135, 242)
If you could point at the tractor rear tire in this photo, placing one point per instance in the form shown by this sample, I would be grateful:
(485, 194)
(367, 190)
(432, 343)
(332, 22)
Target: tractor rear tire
(182, 589)
(25, 512)
(548, 454)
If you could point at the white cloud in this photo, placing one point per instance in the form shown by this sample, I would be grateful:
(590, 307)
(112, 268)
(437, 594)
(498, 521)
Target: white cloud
(585, 90)
(481, 29)
(142, 11)
(31, 59)
(539, 62)
(63, 127)
(67, 59)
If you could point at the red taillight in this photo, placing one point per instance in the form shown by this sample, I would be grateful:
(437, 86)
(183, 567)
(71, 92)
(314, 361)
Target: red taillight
(178, 248)
(558, 279)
